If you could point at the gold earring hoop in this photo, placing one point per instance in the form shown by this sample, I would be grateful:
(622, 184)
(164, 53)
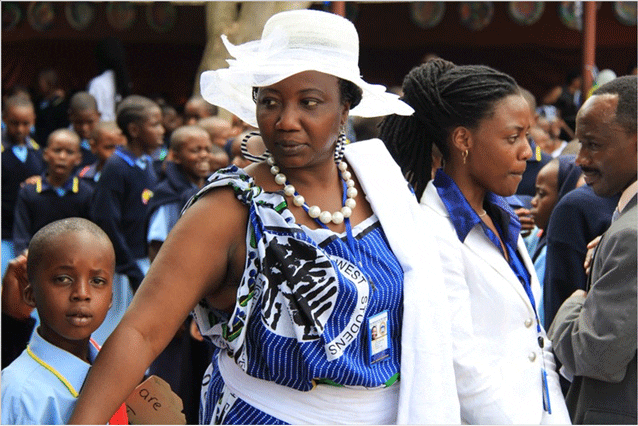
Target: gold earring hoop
(465, 154)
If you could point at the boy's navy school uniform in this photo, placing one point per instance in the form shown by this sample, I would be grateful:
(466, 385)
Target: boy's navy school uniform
(18, 163)
(88, 157)
(120, 201)
(41, 386)
(169, 198)
(40, 204)
(119, 207)
(90, 174)
(50, 114)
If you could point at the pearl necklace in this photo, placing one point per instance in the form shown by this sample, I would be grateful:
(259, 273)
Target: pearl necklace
(324, 217)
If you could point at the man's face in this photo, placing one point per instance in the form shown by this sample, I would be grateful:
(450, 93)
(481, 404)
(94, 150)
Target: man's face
(608, 152)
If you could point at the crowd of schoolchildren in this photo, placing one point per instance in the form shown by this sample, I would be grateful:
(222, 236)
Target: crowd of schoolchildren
(131, 177)
(63, 164)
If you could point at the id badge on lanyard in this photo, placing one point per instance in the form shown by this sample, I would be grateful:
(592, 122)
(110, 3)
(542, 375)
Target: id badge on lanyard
(379, 337)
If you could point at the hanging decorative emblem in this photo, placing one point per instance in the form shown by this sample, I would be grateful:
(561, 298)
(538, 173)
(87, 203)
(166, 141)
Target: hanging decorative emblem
(526, 12)
(625, 12)
(121, 15)
(571, 14)
(476, 15)
(40, 15)
(161, 16)
(11, 16)
(427, 14)
(80, 14)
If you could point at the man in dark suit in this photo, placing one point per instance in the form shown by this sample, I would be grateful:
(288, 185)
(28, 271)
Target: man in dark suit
(594, 332)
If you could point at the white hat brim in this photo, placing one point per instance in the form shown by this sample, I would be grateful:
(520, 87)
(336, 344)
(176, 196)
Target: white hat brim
(256, 65)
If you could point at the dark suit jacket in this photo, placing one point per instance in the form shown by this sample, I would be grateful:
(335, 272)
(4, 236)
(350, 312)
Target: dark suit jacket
(595, 337)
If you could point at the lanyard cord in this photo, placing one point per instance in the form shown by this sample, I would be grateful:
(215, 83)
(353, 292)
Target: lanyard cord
(55, 372)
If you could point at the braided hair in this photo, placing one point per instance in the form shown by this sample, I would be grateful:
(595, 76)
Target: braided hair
(444, 96)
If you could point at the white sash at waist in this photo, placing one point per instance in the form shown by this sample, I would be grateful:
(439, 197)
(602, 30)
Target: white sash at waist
(322, 405)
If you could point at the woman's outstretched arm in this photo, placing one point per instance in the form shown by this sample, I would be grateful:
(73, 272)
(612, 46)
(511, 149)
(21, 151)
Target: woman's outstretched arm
(193, 263)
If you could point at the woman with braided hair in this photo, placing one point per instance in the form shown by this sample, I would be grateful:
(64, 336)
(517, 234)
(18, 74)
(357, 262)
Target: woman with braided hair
(477, 118)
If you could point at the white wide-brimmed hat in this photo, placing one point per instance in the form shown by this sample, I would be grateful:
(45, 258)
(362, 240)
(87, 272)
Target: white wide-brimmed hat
(293, 42)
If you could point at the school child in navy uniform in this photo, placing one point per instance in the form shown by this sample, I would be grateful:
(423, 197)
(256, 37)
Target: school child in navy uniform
(182, 363)
(21, 159)
(185, 174)
(70, 270)
(56, 194)
(84, 115)
(534, 165)
(122, 195)
(106, 136)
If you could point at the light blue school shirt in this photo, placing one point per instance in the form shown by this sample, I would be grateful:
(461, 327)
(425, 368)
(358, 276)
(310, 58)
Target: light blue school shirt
(31, 394)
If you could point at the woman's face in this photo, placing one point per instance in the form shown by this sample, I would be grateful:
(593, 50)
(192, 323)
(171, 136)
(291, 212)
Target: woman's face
(500, 148)
(299, 118)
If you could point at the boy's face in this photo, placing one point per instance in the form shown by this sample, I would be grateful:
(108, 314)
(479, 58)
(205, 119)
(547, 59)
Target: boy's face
(84, 121)
(19, 121)
(218, 160)
(171, 120)
(194, 111)
(72, 287)
(151, 131)
(194, 156)
(62, 155)
(105, 145)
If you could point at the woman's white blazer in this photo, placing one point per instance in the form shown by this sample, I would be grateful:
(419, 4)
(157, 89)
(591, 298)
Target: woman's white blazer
(497, 356)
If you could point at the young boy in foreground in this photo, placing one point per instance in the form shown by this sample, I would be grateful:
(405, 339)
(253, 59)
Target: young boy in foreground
(70, 268)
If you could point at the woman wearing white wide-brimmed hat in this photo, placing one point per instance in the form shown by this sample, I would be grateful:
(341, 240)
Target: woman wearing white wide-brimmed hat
(289, 264)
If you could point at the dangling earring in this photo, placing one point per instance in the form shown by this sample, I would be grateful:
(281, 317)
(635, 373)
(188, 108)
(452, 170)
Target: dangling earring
(340, 146)
(465, 154)
(247, 155)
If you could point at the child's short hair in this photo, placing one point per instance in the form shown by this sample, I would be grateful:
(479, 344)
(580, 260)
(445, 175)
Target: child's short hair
(133, 109)
(17, 100)
(82, 101)
(103, 126)
(198, 101)
(48, 233)
(179, 136)
(67, 132)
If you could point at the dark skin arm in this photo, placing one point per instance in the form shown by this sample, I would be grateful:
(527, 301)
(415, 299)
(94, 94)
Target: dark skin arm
(153, 249)
(13, 284)
(202, 255)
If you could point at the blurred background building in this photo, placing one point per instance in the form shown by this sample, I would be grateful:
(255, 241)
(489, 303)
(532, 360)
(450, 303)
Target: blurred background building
(538, 43)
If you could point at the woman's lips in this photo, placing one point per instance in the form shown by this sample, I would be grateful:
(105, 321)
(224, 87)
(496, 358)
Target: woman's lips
(289, 148)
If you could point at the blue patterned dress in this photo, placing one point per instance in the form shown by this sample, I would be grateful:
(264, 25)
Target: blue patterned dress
(302, 306)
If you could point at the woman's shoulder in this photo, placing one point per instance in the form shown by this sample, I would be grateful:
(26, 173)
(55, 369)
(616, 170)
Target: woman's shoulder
(231, 177)
(238, 184)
